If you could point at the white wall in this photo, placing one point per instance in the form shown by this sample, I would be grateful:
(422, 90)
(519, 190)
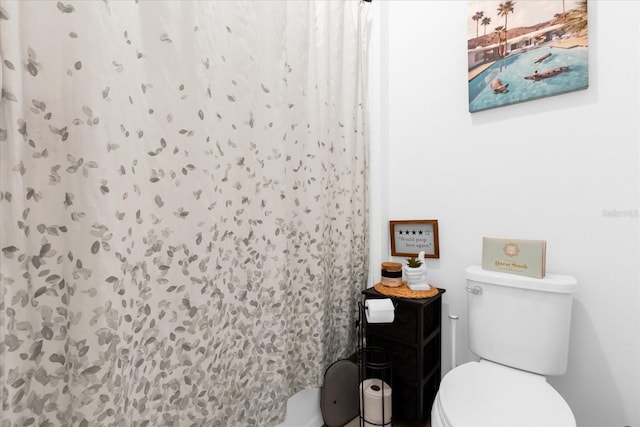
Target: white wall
(546, 169)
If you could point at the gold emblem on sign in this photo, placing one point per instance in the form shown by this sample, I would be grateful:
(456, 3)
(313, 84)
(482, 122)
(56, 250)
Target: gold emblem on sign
(511, 249)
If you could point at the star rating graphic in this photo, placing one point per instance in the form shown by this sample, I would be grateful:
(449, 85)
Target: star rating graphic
(414, 232)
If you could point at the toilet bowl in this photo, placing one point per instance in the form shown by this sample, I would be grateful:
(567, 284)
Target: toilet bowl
(486, 394)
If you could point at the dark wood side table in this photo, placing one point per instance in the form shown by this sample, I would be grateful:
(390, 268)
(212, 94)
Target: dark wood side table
(414, 342)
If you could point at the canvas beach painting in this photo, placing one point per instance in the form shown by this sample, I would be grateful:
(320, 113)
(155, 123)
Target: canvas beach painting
(524, 50)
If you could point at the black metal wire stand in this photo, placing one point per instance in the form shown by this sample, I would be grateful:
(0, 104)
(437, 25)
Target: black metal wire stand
(373, 363)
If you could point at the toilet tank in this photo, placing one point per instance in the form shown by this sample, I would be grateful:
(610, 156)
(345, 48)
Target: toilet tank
(520, 321)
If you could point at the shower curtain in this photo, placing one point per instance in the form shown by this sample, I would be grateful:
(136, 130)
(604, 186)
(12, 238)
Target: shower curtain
(184, 208)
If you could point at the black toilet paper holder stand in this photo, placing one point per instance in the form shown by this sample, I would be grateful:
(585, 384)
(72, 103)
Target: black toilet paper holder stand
(373, 362)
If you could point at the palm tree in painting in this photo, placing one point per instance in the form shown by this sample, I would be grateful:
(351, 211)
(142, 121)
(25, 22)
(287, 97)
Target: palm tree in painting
(577, 20)
(500, 31)
(477, 17)
(503, 10)
(486, 21)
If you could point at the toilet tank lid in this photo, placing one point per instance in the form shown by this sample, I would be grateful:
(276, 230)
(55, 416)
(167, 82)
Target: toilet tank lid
(555, 283)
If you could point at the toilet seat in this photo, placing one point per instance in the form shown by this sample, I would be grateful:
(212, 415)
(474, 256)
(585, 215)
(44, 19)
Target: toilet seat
(485, 394)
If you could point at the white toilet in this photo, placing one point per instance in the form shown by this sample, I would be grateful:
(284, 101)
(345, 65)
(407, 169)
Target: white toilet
(519, 327)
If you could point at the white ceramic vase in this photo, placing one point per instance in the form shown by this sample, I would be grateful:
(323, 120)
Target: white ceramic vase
(417, 276)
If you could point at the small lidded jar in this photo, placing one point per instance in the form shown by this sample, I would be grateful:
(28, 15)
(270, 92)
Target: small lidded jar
(391, 274)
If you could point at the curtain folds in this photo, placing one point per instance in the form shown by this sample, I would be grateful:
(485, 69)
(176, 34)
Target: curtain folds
(183, 197)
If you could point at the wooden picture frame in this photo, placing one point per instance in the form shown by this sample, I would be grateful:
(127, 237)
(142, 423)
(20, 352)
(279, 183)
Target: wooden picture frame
(409, 237)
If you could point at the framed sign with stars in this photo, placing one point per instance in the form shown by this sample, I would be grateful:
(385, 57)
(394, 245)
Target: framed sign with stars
(409, 237)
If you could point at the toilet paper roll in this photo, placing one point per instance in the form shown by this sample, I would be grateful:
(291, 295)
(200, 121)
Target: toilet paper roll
(374, 395)
(379, 310)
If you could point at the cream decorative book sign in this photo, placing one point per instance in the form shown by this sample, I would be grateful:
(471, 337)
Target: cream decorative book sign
(515, 256)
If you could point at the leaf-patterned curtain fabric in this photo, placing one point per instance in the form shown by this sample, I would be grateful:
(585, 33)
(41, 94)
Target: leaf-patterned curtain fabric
(183, 201)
